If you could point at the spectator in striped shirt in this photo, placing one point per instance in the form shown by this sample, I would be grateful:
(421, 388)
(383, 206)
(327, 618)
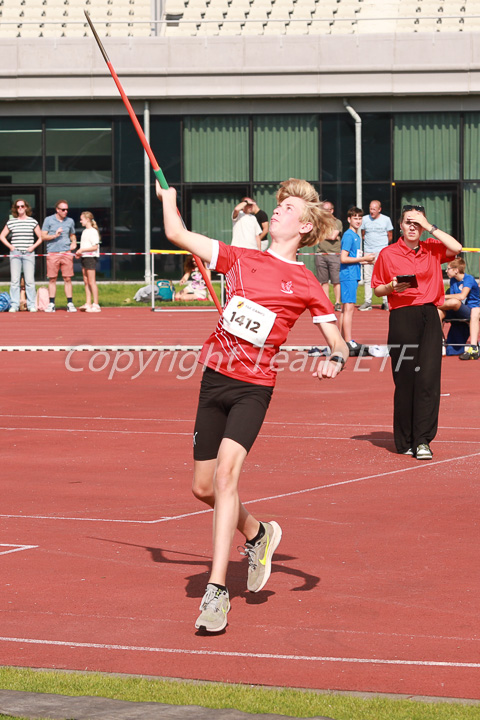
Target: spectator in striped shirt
(22, 235)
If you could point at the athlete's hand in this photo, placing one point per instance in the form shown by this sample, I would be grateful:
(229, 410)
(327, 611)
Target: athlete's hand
(327, 369)
(165, 194)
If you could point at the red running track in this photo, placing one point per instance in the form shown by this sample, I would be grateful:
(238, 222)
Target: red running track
(105, 553)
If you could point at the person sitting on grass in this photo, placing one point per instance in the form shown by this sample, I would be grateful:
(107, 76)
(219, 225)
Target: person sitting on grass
(350, 260)
(195, 287)
(463, 302)
(266, 293)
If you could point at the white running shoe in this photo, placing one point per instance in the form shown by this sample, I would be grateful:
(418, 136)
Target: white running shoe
(214, 606)
(260, 556)
(71, 307)
(50, 307)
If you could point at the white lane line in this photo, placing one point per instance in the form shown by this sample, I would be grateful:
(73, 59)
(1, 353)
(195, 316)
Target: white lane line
(262, 656)
(15, 548)
(161, 433)
(280, 496)
(190, 420)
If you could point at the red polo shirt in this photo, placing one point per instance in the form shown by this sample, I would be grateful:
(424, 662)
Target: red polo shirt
(426, 264)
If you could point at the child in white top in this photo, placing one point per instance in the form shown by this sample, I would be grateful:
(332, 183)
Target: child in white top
(88, 252)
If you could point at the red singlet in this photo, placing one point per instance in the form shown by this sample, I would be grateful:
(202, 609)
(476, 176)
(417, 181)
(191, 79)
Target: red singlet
(284, 287)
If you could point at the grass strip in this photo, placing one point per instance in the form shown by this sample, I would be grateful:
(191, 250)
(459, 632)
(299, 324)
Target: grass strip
(285, 701)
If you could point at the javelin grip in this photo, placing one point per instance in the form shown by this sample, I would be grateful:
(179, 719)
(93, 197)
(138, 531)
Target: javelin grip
(161, 178)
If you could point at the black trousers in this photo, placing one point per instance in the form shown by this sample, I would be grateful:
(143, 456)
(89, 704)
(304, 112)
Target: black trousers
(415, 340)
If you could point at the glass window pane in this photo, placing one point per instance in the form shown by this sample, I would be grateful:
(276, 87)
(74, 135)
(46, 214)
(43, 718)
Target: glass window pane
(342, 197)
(165, 139)
(381, 192)
(129, 153)
(98, 201)
(285, 146)
(338, 149)
(79, 150)
(129, 232)
(427, 146)
(471, 163)
(20, 150)
(216, 149)
(376, 147)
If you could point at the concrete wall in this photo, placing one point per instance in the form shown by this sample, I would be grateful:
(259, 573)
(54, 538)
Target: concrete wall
(384, 72)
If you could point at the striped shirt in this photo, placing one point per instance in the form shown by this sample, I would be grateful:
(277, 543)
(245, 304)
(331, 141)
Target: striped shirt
(22, 234)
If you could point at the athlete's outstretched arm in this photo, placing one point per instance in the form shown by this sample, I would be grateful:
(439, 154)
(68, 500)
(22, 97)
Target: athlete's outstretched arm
(175, 231)
(337, 345)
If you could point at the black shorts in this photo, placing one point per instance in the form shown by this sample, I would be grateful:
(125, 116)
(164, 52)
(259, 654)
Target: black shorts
(228, 408)
(89, 263)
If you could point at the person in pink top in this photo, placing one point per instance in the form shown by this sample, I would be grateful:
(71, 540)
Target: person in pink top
(266, 293)
(409, 273)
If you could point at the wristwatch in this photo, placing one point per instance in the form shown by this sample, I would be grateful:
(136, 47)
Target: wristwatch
(337, 359)
(433, 228)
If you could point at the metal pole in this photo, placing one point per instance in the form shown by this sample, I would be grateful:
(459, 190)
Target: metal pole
(146, 181)
(358, 151)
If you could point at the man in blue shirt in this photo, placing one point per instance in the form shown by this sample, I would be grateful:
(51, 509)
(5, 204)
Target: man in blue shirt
(58, 232)
(463, 303)
(377, 233)
(351, 257)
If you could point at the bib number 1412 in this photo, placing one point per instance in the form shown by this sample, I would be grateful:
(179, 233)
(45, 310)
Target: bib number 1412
(247, 322)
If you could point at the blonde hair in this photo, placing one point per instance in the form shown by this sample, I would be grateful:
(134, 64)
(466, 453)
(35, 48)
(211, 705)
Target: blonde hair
(458, 264)
(89, 216)
(322, 220)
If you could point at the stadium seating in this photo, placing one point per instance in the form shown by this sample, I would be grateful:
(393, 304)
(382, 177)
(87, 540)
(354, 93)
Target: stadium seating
(130, 18)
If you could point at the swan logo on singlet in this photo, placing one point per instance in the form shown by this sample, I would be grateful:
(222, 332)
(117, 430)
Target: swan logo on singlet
(287, 287)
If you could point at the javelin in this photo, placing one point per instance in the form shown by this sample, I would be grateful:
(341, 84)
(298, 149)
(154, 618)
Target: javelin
(156, 167)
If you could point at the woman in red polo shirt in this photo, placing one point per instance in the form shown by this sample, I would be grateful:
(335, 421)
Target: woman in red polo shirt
(415, 333)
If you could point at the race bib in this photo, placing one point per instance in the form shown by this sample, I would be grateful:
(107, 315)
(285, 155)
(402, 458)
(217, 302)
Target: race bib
(248, 320)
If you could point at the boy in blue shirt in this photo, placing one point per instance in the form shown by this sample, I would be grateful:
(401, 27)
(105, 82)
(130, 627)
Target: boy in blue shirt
(463, 302)
(351, 258)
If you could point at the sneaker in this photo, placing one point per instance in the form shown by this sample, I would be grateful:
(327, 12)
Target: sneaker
(338, 307)
(424, 452)
(385, 306)
(318, 352)
(50, 307)
(84, 307)
(93, 308)
(214, 606)
(260, 556)
(365, 306)
(13, 309)
(471, 352)
(408, 452)
(71, 307)
(32, 309)
(353, 348)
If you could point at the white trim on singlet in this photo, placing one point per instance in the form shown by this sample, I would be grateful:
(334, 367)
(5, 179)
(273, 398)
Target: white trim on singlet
(324, 318)
(279, 257)
(215, 250)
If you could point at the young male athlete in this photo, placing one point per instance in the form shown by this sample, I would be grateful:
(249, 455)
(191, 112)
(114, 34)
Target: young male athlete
(266, 293)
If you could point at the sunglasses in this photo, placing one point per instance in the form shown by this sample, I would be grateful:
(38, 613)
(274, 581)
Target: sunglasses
(19, 206)
(62, 209)
(419, 208)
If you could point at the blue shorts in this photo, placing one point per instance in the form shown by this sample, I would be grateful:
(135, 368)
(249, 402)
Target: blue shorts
(349, 291)
(463, 313)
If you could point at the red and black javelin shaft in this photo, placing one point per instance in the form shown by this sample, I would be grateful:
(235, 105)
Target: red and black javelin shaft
(155, 166)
